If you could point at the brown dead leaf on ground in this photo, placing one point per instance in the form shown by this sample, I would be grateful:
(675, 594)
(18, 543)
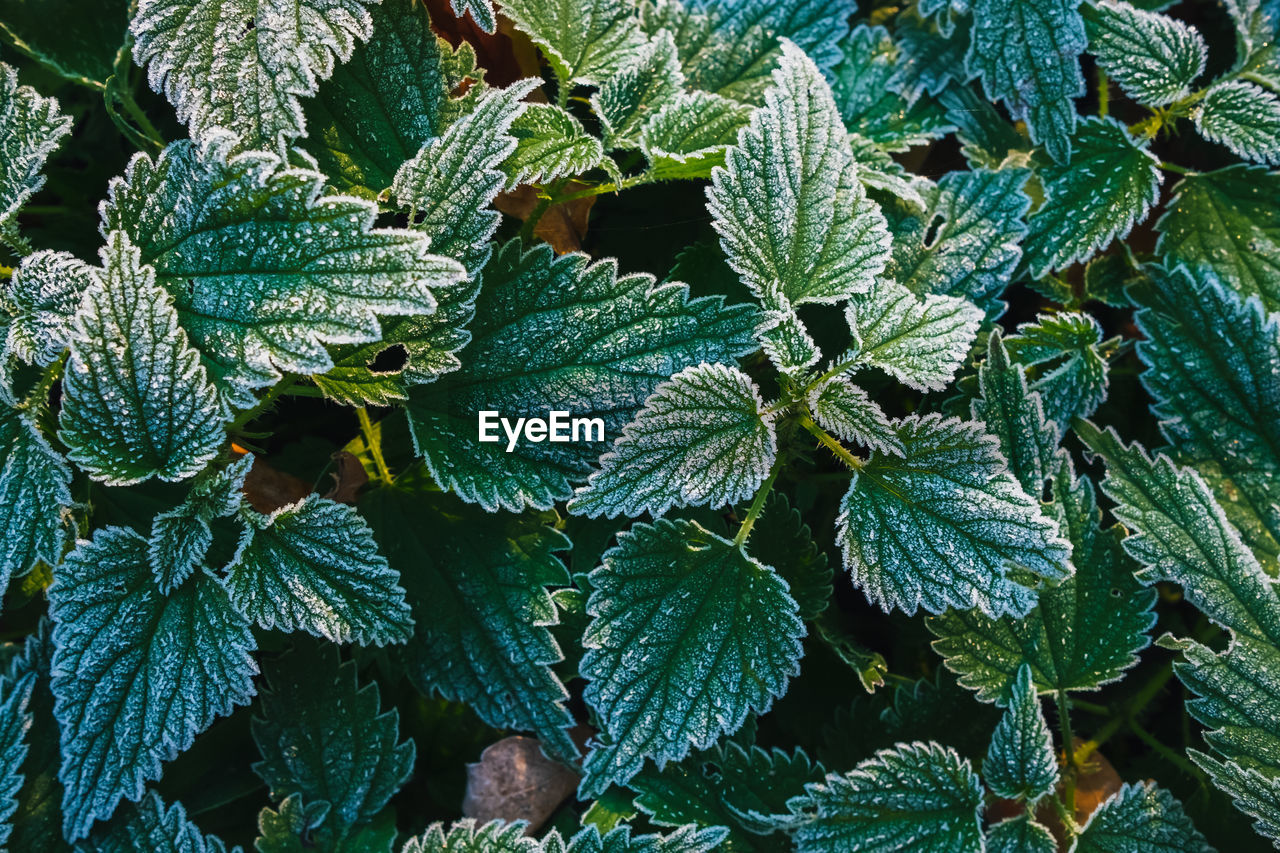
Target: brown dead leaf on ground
(506, 56)
(513, 780)
(563, 226)
(267, 489)
(349, 477)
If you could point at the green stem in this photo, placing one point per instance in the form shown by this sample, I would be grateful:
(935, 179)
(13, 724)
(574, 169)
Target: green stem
(1131, 708)
(603, 189)
(757, 504)
(1165, 752)
(831, 443)
(247, 417)
(374, 443)
(1090, 707)
(1069, 748)
(1175, 168)
(119, 89)
(39, 395)
(1104, 92)
(835, 371)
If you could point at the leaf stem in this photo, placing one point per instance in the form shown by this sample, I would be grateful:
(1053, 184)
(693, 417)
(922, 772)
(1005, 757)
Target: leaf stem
(119, 89)
(1165, 752)
(757, 503)
(1069, 749)
(265, 402)
(374, 442)
(831, 443)
(1104, 92)
(39, 395)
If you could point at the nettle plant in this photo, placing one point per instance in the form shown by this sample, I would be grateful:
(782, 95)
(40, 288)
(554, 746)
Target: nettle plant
(940, 295)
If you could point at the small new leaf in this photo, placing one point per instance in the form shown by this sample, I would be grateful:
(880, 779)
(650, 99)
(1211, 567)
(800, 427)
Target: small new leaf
(688, 137)
(35, 497)
(1063, 354)
(180, 537)
(649, 82)
(31, 128)
(150, 825)
(1020, 835)
(848, 412)
(1021, 764)
(1014, 414)
(550, 144)
(45, 293)
(586, 41)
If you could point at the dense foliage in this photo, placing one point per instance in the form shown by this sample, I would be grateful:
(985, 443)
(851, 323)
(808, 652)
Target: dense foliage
(932, 500)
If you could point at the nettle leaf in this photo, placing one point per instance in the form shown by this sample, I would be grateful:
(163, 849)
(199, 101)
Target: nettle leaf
(386, 101)
(650, 81)
(791, 213)
(1020, 835)
(586, 41)
(35, 497)
(848, 412)
(930, 57)
(920, 341)
(469, 836)
(688, 137)
(1154, 58)
(323, 736)
(303, 827)
(1107, 186)
(883, 175)
(1063, 355)
(786, 342)
(1082, 634)
(1014, 414)
(241, 65)
(1027, 53)
(481, 12)
(1242, 116)
(920, 795)
(137, 402)
(36, 824)
(689, 636)
(477, 583)
(550, 144)
(150, 825)
(561, 334)
(1140, 818)
(1021, 763)
(43, 295)
(31, 129)
(870, 106)
(313, 566)
(136, 674)
(262, 269)
(965, 241)
(782, 540)
(16, 687)
(756, 784)
(181, 537)
(1227, 222)
(702, 439)
(943, 526)
(1210, 360)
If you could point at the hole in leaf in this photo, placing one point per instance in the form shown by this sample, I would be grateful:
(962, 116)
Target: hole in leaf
(391, 360)
(931, 233)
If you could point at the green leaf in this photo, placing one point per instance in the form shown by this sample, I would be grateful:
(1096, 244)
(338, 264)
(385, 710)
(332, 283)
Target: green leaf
(481, 12)
(310, 827)
(477, 583)
(550, 144)
(1106, 187)
(944, 526)
(1020, 835)
(1082, 634)
(1021, 764)
(688, 137)
(37, 822)
(587, 342)
(75, 39)
(1242, 116)
(1140, 819)
(44, 294)
(181, 537)
(150, 825)
(1027, 53)
(381, 106)
(262, 270)
(313, 566)
(920, 341)
(782, 540)
(1227, 222)
(1210, 358)
(1014, 414)
(241, 65)
(791, 214)
(31, 129)
(702, 439)
(1062, 353)
(16, 687)
(586, 41)
(848, 412)
(469, 836)
(1154, 58)
(787, 343)
(930, 58)
(133, 692)
(35, 497)
(137, 402)
(650, 81)
(323, 736)
(920, 795)
(965, 242)
(689, 636)
(1180, 534)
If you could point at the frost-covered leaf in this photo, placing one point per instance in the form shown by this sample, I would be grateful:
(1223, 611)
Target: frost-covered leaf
(930, 57)
(31, 129)
(1063, 355)
(1020, 835)
(920, 796)
(136, 674)
(689, 636)
(1105, 188)
(702, 439)
(786, 342)
(150, 825)
(1211, 368)
(550, 144)
(1082, 634)
(920, 341)
(35, 497)
(1021, 763)
(650, 81)
(264, 271)
(756, 783)
(323, 736)
(469, 836)
(311, 826)
(241, 65)
(1228, 222)
(848, 412)
(137, 403)
(881, 174)
(1027, 53)
(688, 137)
(477, 583)
(44, 294)
(1140, 818)
(782, 540)
(1242, 116)
(965, 242)
(943, 526)
(313, 566)
(16, 687)
(1014, 414)
(791, 213)
(1153, 57)
(180, 537)
(481, 12)
(561, 334)
(36, 824)
(586, 41)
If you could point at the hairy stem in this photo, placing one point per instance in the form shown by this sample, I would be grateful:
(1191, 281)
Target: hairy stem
(1069, 749)
(757, 503)
(830, 442)
(274, 393)
(374, 442)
